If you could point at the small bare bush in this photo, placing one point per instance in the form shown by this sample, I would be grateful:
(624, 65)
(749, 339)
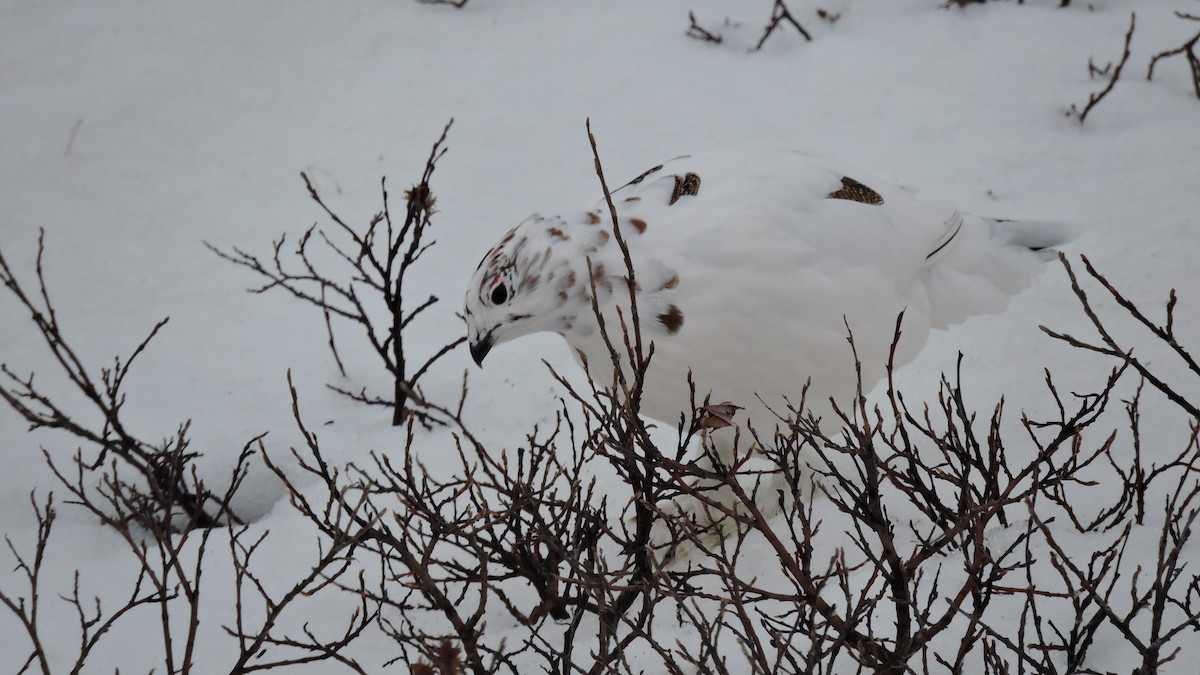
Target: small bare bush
(374, 264)
(162, 487)
(166, 517)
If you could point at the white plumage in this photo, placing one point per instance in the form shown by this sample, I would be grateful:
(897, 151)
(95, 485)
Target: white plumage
(750, 263)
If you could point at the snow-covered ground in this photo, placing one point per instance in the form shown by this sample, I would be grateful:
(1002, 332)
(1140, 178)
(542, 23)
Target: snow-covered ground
(134, 131)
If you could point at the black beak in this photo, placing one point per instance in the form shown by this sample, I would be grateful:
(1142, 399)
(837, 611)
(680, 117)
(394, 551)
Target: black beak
(480, 349)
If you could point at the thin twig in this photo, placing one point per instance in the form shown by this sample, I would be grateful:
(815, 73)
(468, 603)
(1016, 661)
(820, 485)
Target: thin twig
(1188, 49)
(698, 32)
(779, 14)
(1094, 99)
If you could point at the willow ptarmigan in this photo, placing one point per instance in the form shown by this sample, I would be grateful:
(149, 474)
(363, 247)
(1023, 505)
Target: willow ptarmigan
(750, 264)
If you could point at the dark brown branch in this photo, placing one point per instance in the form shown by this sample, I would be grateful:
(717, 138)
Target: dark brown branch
(1111, 347)
(779, 14)
(1094, 99)
(1188, 49)
(698, 32)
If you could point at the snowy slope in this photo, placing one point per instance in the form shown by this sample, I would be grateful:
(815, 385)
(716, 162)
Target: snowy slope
(194, 120)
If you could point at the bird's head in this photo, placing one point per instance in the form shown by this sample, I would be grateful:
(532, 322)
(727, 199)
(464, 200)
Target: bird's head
(522, 286)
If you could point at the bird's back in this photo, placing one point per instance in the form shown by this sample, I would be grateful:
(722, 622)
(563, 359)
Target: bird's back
(755, 264)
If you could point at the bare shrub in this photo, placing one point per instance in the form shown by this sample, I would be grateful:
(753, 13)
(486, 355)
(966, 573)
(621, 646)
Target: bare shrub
(922, 538)
(169, 566)
(375, 263)
(161, 510)
(162, 487)
(909, 582)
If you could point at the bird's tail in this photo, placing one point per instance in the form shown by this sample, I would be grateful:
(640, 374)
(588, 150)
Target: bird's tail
(1040, 236)
(990, 260)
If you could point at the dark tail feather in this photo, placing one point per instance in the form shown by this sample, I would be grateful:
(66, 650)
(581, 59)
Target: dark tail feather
(1042, 236)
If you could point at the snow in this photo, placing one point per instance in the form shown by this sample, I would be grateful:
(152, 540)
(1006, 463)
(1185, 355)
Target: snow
(193, 120)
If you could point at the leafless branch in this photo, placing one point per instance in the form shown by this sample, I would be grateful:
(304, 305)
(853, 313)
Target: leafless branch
(779, 14)
(1094, 99)
(1188, 49)
(698, 32)
(378, 260)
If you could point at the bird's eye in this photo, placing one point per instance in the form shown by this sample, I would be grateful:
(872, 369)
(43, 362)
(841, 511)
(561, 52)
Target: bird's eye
(499, 295)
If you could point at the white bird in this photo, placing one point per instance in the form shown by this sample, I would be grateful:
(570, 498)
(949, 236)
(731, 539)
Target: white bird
(750, 264)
